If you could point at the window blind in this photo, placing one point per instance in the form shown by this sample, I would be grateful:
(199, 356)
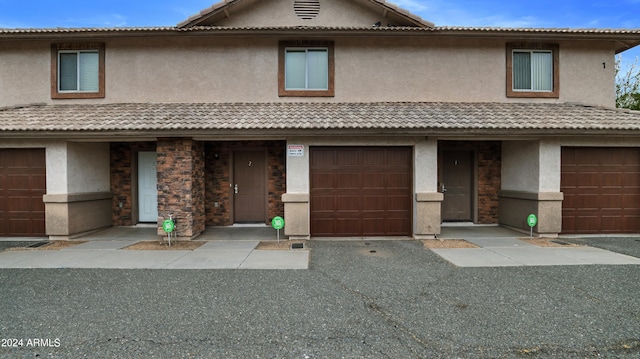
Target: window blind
(533, 70)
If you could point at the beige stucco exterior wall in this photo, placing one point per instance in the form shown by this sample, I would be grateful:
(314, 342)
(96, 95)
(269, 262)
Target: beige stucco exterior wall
(225, 69)
(24, 73)
(281, 12)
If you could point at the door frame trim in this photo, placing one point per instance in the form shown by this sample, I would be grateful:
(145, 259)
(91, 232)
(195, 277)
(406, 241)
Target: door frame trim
(232, 201)
(474, 179)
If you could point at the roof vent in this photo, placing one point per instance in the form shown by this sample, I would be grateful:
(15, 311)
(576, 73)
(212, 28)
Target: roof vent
(306, 9)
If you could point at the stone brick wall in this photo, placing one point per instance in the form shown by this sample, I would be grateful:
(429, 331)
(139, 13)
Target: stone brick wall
(489, 181)
(181, 187)
(277, 177)
(218, 185)
(121, 184)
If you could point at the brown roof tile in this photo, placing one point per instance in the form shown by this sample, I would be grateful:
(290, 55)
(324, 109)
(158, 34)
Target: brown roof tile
(405, 117)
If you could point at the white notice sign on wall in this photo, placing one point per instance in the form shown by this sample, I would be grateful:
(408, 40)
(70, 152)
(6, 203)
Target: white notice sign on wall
(295, 150)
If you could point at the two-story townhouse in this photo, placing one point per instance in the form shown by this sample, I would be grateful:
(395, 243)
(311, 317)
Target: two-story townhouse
(349, 118)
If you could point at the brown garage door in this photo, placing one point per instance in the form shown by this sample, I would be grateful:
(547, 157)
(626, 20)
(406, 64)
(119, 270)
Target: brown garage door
(601, 189)
(361, 191)
(22, 184)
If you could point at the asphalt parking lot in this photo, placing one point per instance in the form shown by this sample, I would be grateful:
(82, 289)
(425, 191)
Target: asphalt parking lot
(378, 299)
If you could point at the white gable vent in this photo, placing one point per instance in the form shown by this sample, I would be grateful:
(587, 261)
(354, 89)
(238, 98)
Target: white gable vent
(306, 9)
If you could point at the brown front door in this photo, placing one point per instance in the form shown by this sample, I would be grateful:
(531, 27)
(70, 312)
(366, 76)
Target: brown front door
(456, 183)
(249, 186)
(601, 188)
(22, 185)
(361, 191)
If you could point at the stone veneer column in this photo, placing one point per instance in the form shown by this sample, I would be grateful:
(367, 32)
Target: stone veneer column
(181, 185)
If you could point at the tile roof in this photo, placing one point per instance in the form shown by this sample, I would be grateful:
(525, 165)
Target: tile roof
(436, 30)
(625, 38)
(290, 117)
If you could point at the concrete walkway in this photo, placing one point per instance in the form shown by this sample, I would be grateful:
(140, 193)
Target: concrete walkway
(501, 247)
(105, 249)
(235, 248)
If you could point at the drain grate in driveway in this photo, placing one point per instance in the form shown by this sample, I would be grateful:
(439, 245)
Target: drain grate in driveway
(38, 244)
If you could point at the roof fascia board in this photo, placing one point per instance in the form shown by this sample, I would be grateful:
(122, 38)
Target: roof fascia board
(625, 38)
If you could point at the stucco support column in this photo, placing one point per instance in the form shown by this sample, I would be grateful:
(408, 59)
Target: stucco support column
(531, 185)
(78, 199)
(296, 200)
(296, 212)
(428, 201)
(181, 186)
(72, 215)
(515, 207)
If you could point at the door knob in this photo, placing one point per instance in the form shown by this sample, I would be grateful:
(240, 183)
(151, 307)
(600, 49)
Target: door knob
(443, 189)
(235, 188)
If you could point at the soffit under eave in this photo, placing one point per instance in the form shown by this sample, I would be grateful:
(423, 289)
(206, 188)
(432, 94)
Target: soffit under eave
(622, 45)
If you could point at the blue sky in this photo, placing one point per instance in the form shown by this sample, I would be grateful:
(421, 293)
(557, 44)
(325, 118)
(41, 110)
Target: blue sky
(500, 13)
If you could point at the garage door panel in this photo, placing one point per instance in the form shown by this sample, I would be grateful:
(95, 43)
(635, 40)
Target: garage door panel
(631, 180)
(612, 180)
(368, 187)
(323, 203)
(396, 180)
(601, 189)
(348, 226)
(373, 226)
(399, 157)
(347, 157)
(325, 226)
(347, 180)
(631, 202)
(373, 180)
(373, 157)
(611, 221)
(323, 180)
(395, 203)
(322, 158)
(374, 203)
(347, 203)
(611, 201)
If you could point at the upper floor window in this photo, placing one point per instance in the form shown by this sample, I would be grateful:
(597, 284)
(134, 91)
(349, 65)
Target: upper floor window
(77, 70)
(532, 70)
(306, 68)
